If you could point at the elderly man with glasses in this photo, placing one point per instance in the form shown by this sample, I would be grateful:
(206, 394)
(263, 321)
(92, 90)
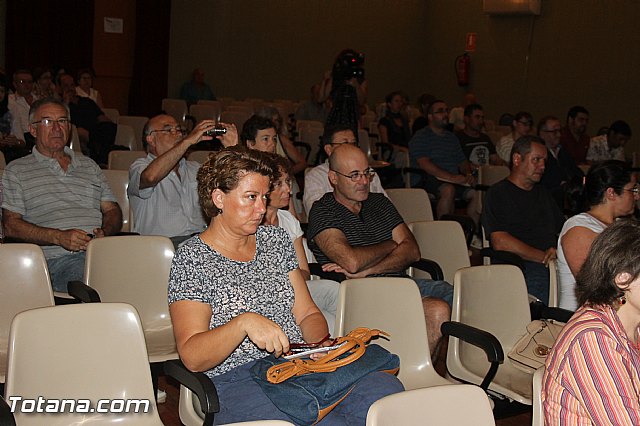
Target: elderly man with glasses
(316, 183)
(561, 174)
(162, 186)
(361, 234)
(19, 104)
(55, 198)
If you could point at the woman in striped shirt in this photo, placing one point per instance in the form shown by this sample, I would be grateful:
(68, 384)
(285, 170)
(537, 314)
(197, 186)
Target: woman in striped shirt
(592, 372)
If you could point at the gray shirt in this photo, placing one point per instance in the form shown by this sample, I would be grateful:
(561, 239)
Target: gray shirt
(171, 208)
(39, 190)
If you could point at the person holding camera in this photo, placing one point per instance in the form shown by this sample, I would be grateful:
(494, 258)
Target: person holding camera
(347, 89)
(162, 186)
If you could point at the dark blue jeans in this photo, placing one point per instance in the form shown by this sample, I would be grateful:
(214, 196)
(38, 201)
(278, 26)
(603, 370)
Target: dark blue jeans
(242, 399)
(537, 277)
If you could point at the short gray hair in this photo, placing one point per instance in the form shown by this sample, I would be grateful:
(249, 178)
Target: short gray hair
(46, 101)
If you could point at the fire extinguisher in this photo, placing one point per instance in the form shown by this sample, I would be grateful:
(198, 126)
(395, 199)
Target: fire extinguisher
(463, 66)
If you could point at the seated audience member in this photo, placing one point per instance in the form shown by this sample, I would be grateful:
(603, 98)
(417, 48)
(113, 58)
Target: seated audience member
(260, 133)
(55, 198)
(561, 172)
(361, 234)
(477, 146)
(521, 217)
(592, 372)
(19, 104)
(521, 125)
(610, 191)
(196, 89)
(95, 130)
(11, 146)
(394, 126)
(611, 145)
(316, 180)
(284, 146)
(456, 114)
(85, 87)
(574, 136)
(323, 292)
(423, 104)
(44, 86)
(312, 109)
(219, 280)
(437, 151)
(162, 186)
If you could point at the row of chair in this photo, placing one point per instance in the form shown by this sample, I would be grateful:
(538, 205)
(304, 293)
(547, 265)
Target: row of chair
(390, 304)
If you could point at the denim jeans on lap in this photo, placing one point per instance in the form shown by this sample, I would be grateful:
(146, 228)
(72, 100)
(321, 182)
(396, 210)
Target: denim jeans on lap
(63, 269)
(537, 277)
(242, 399)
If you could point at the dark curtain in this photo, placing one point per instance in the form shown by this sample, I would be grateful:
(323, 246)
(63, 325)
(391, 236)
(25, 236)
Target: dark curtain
(49, 33)
(151, 63)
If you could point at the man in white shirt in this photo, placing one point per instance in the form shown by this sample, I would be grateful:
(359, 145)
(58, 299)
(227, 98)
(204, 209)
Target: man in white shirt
(163, 191)
(19, 104)
(316, 180)
(611, 145)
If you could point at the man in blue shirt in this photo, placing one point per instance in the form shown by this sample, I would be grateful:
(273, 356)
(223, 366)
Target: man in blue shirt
(437, 151)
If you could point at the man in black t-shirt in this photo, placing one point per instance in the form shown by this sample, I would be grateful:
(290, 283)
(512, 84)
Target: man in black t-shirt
(360, 234)
(521, 217)
(477, 146)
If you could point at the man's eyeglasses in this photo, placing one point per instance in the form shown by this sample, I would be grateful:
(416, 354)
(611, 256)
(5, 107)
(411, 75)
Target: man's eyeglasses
(177, 130)
(48, 122)
(441, 111)
(23, 81)
(635, 190)
(526, 122)
(355, 176)
(554, 131)
(354, 143)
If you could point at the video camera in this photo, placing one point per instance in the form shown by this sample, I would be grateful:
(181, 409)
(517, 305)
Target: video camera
(348, 65)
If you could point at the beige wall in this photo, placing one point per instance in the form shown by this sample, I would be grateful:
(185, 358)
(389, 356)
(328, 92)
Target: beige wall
(575, 52)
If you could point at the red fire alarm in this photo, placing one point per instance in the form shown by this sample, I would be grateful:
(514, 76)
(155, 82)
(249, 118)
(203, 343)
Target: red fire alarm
(470, 42)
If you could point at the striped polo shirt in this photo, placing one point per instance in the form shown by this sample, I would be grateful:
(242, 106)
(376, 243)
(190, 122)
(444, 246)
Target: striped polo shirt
(37, 188)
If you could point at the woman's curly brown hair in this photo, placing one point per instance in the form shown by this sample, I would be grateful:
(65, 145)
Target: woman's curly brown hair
(224, 169)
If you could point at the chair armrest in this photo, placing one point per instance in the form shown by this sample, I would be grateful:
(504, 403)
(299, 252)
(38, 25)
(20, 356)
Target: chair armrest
(198, 383)
(541, 311)
(6, 416)
(481, 339)
(83, 292)
(316, 269)
(502, 256)
(431, 267)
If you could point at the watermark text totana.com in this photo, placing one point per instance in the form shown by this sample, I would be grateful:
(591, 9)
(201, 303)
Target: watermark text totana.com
(44, 405)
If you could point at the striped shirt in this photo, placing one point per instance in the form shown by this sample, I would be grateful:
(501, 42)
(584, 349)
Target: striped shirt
(39, 190)
(592, 372)
(375, 223)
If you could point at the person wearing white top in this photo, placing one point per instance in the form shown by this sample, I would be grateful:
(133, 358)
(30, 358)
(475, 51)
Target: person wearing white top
(610, 191)
(316, 180)
(162, 187)
(323, 292)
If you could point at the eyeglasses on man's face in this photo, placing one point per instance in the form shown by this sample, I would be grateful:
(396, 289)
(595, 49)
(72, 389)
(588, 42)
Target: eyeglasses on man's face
(354, 143)
(49, 122)
(176, 130)
(356, 176)
(635, 190)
